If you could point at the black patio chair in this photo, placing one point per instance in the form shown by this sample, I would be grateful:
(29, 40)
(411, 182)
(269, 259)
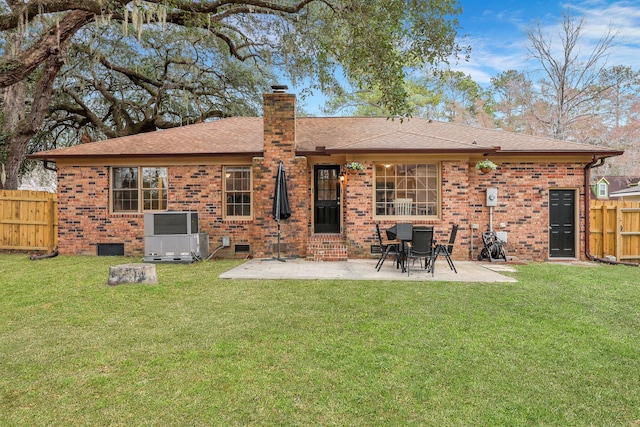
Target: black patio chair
(403, 235)
(386, 248)
(445, 250)
(421, 246)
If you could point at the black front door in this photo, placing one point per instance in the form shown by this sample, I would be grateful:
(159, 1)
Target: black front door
(562, 224)
(327, 199)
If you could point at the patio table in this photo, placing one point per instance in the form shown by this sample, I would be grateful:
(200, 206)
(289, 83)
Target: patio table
(402, 233)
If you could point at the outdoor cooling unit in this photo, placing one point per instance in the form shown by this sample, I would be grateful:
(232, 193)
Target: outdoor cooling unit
(174, 237)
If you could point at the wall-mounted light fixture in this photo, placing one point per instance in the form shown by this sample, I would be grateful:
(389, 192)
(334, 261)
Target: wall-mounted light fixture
(542, 192)
(341, 177)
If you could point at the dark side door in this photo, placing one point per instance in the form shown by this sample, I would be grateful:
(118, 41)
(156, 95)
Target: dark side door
(327, 199)
(562, 224)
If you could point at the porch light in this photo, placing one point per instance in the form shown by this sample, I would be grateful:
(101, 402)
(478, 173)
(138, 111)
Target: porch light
(542, 192)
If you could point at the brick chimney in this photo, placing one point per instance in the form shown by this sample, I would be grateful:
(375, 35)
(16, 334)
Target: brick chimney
(280, 146)
(279, 124)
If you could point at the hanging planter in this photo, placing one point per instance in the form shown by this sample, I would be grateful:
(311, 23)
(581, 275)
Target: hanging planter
(354, 167)
(485, 166)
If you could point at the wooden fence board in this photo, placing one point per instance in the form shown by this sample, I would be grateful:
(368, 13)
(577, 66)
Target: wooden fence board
(615, 229)
(28, 220)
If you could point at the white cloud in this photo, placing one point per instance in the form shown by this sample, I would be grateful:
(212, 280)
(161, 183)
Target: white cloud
(502, 43)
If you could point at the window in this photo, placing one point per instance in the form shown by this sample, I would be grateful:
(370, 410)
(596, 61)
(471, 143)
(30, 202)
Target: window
(602, 189)
(406, 189)
(237, 191)
(130, 193)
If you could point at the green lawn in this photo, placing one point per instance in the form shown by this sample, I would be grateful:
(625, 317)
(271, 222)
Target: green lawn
(559, 348)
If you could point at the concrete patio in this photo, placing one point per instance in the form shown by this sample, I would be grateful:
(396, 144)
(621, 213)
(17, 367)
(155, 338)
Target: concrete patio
(359, 269)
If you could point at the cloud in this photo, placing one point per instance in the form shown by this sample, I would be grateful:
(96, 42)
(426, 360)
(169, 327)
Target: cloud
(499, 37)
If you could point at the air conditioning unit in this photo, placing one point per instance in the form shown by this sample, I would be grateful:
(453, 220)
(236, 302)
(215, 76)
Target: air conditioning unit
(170, 222)
(174, 237)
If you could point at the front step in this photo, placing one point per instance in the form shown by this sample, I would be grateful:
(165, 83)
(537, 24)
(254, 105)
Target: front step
(327, 247)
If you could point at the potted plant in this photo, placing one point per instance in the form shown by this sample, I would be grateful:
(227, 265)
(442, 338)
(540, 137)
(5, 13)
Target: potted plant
(354, 167)
(486, 166)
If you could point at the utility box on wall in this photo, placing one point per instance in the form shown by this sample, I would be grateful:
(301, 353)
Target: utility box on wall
(492, 196)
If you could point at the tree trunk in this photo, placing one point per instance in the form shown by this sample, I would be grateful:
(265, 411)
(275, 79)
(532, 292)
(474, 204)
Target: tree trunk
(21, 65)
(25, 126)
(14, 110)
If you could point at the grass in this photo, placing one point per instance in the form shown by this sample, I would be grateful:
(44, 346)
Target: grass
(560, 347)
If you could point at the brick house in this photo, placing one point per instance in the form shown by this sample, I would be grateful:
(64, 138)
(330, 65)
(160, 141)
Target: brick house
(225, 171)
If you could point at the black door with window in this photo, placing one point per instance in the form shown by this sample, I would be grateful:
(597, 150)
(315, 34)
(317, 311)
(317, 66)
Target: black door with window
(562, 224)
(327, 199)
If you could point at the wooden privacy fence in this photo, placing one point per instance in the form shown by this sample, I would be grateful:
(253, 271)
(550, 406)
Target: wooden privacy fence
(28, 220)
(615, 229)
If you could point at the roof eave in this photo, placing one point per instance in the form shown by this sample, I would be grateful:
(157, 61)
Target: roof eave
(601, 154)
(53, 157)
(330, 151)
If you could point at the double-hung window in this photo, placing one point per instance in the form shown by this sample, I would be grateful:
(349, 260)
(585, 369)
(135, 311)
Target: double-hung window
(407, 189)
(138, 189)
(237, 192)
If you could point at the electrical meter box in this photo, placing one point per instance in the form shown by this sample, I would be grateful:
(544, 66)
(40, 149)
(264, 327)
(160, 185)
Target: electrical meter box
(492, 196)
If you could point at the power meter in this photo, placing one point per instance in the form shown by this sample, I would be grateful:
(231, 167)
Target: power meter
(492, 196)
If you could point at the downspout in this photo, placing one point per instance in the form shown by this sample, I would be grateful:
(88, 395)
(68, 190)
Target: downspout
(595, 163)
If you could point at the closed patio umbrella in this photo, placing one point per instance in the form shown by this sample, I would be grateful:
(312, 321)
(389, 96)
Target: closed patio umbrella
(281, 208)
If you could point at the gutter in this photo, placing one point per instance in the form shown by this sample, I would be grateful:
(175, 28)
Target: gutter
(323, 151)
(595, 163)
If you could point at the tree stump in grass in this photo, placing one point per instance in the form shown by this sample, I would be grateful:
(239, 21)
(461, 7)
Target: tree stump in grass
(133, 273)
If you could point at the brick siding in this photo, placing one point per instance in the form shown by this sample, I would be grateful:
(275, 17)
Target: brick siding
(85, 218)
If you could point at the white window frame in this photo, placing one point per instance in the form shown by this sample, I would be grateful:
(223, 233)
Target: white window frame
(237, 188)
(400, 183)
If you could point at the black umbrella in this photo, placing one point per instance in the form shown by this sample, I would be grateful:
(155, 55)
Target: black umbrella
(281, 208)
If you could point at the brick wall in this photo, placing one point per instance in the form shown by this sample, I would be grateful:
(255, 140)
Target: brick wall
(522, 209)
(85, 219)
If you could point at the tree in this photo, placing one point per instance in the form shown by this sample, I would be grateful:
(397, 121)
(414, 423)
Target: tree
(109, 89)
(514, 96)
(569, 84)
(367, 103)
(619, 126)
(462, 100)
(372, 41)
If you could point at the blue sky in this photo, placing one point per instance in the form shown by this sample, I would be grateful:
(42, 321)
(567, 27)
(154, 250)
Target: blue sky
(496, 30)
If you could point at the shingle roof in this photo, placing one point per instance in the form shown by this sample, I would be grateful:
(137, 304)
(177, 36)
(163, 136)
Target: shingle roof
(631, 191)
(244, 136)
(617, 182)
